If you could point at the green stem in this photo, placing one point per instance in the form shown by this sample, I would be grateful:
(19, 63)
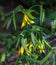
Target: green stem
(34, 6)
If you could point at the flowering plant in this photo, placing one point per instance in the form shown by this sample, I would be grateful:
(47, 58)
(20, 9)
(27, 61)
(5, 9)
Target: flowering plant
(30, 42)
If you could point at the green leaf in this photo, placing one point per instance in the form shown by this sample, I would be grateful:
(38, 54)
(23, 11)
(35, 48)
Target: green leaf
(3, 57)
(10, 43)
(14, 20)
(33, 11)
(28, 13)
(28, 63)
(18, 9)
(46, 43)
(7, 22)
(34, 6)
(33, 38)
(46, 57)
(52, 59)
(42, 14)
(36, 28)
(18, 62)
(17, 42)
(54, 23)
(40, 61)
(32, 60)
(24, 43)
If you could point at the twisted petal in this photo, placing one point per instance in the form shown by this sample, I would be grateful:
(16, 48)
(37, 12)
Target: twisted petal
(28, 52)
(31, 21)
(24, 21)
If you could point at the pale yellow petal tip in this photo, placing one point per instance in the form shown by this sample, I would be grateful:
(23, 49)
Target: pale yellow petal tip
(32, 22)
(31, 44)
(42, 51)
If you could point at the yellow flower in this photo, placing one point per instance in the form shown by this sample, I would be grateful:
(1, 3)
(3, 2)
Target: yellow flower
(26, 20)
(21, 50)
(28, 52)
(29, 21)
(31, 44)
(41, 47)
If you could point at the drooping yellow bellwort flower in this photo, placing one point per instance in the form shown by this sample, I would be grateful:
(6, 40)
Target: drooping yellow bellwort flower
(26, 21)
(41, 47)
(21, 50)
(28, 52)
